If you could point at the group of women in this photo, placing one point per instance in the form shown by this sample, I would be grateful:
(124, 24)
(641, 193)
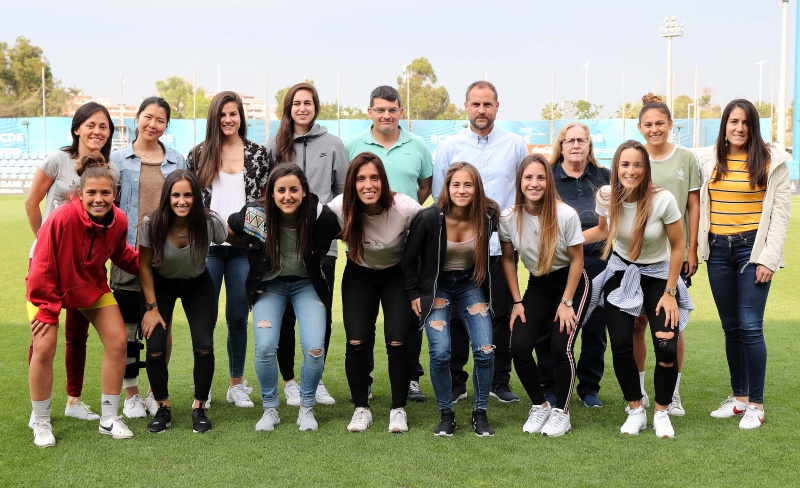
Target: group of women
(266, 220)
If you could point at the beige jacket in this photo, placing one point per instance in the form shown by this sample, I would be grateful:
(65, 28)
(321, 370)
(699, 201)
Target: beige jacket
(771, 234)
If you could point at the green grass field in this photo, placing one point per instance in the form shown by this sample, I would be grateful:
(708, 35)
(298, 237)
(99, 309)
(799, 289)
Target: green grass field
(705, 452)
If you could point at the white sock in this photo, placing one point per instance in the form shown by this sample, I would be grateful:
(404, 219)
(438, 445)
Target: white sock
(641, 381)
(41, 410)
(130, 382)
(109, 406)
(677, 384)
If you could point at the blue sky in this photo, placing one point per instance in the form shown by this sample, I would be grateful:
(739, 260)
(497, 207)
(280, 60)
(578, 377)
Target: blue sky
(518, 43)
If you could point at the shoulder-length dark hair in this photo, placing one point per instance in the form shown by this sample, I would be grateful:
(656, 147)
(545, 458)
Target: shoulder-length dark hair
(478, 215)
(642, 195)
(163, 218)
(284, 140)
(548, 217)
(273, 225)
(210, 158)
(158, 101)
(353, 208)
(82, 115)
(755, 147)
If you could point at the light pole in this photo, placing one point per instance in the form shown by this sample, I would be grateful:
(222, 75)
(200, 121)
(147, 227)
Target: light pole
(408, 95)
(782, 75)
(586, 81)
(670, 28)
(688, 106)
(760, 65)
(27, 137)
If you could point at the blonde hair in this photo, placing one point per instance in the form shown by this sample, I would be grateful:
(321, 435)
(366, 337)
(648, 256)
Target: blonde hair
(557, 155)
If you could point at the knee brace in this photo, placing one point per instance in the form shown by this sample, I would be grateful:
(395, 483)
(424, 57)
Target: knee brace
(134, 362)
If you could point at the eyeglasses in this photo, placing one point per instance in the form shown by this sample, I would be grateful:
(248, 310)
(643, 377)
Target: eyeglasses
(578, 141)
(381, 110)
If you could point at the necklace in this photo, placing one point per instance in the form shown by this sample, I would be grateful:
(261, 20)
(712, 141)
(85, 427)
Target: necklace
(178, 233)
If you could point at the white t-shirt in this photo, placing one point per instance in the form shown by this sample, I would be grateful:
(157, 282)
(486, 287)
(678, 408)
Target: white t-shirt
(60, 167)
(655, 247)
(385, 233)
(228, 195)
(527, 244)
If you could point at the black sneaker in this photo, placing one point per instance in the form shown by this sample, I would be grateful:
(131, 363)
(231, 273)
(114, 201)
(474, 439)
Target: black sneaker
(459, 392)
(200, 423)
(480, 423)
(447, 425)
(414, 393)
(161, 421)
(504, 393)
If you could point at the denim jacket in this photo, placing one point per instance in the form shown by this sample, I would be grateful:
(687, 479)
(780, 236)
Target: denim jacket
(129, 166)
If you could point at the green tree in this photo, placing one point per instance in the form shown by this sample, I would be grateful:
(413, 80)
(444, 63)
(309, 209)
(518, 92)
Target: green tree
(681, 107)
(551, 111)
(427, 102)
(179, 93)
(631, 111)
(21, 82)
(587, 110)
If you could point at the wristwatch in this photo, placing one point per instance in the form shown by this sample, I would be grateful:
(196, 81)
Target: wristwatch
(150, 306)
(671, 291)
(567, 301)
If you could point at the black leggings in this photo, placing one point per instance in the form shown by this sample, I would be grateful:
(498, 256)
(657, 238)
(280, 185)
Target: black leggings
(541, 302)
(620, 333)
(199, 300)
(363, 290)
(287, 341)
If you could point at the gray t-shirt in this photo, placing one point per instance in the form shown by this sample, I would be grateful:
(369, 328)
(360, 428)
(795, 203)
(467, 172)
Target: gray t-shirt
(177, 262)
(291, 264)
(60, 167)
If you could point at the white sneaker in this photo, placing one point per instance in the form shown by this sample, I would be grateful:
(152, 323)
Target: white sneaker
(645, 402)
(662, 425)
(80, 410)
(730, 407)
(752, 419)
(32, 421)
(269, 420)
(306, 420)
(558, 424)
(537, 417)
(362, 419)
(398, 420)
(676, 408)
(635, 423)
(238, 396)
(247, 389)
(133, 408)
(292, 392)
(43, 434)
(322, 395)
(151, 404)
(116, 428)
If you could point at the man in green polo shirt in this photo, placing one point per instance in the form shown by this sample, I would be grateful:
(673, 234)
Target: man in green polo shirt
(408, 161)
(409, 168)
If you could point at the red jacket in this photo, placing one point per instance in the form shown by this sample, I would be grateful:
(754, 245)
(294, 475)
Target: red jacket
(68, 269)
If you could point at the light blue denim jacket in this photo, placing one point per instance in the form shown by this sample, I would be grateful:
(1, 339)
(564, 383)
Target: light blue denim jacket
(129, 165)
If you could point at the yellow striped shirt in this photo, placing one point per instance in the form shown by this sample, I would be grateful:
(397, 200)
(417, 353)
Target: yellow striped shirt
(735, 206)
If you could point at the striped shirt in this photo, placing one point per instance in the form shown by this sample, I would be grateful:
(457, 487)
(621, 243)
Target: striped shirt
(735, 206)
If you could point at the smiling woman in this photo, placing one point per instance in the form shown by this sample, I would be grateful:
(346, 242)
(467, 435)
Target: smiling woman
(55, 180)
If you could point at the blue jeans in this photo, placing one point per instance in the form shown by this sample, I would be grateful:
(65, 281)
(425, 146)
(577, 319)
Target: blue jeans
(457, 287)
(231, 263)
(740, 304)
(311, 318)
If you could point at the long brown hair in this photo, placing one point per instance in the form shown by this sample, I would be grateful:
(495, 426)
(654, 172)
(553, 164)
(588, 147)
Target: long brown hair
(273, 225)
(352, 207)
(478, 212)
(548, 217)
(642, 195)
(757, 150)
(284, 140)
(209, 160)
(163, 218)
(557, 155)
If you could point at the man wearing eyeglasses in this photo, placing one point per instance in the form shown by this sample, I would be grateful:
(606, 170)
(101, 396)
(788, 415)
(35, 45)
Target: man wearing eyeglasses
(409, 167)
(405, 155)
(497, 154)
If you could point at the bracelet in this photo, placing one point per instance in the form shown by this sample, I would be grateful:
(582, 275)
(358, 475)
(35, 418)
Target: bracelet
(517, 303)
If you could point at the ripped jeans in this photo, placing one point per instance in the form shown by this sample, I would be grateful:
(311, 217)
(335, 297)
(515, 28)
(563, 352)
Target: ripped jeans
(311, 317)
(457, 288)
